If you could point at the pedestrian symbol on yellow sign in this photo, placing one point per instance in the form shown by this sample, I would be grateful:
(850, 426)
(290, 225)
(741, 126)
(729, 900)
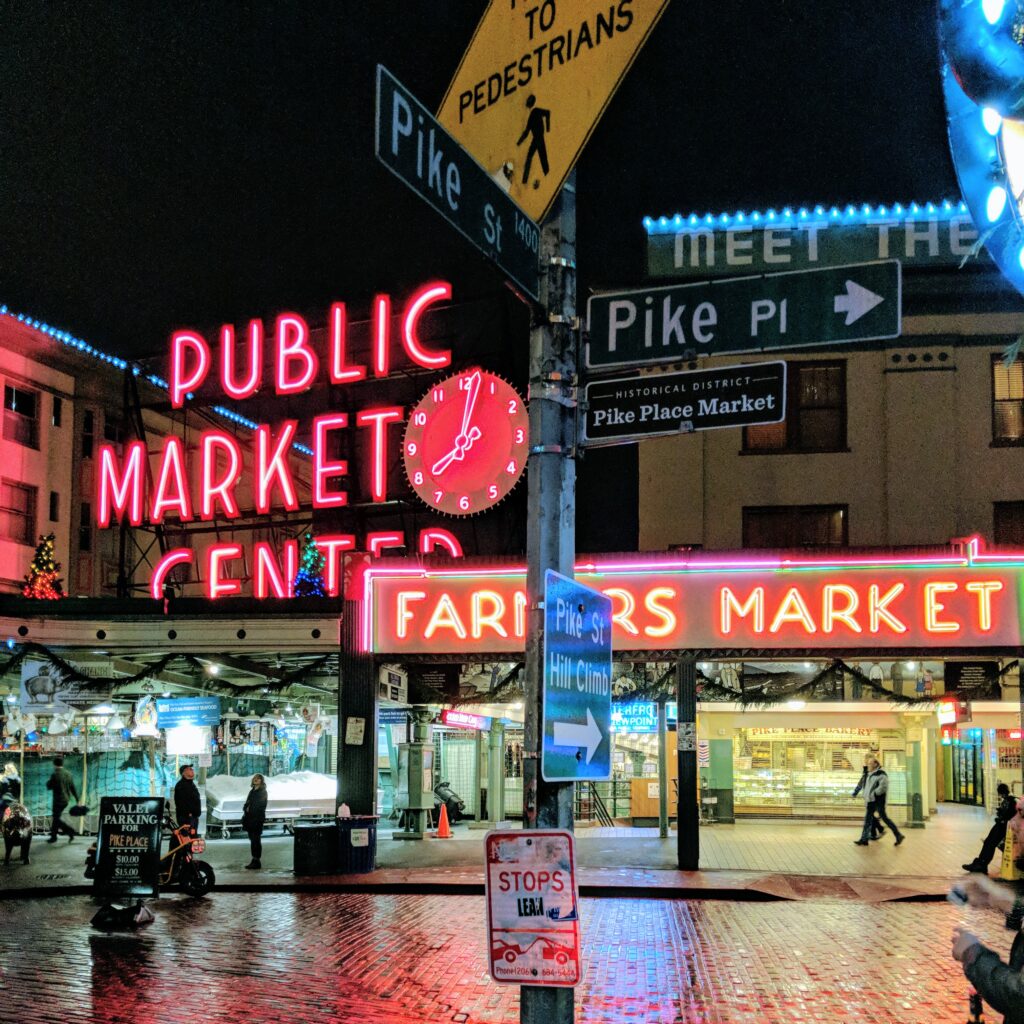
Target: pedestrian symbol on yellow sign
(537, 124)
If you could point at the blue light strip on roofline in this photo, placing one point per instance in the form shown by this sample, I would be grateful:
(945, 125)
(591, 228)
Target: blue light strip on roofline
(68, 339)
(865, 213)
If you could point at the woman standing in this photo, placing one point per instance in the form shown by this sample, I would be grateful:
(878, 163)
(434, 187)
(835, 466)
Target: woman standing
(254, 814)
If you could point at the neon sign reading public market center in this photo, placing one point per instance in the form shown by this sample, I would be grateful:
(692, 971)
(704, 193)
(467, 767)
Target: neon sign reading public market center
(125, 488)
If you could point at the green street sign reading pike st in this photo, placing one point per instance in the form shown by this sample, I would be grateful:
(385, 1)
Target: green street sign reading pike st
(416, 149)
(746, 314)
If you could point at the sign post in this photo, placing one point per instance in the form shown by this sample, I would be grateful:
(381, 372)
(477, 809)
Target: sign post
(533, 83)
(577, 682)
(533, 924)
(418, 151)
(128, 846)
(627, 409)
(745, 314)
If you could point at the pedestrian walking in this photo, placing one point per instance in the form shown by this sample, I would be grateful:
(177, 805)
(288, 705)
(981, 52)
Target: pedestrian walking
(876, 787)
(188, 805)
(1005, 811)
(64, 790)
(1000, 984)
(16, 827)
(254, 815)
(10, 787)
(877, 830)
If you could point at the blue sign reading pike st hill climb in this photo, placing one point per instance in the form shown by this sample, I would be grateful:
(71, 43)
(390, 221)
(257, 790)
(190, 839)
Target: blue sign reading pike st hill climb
(577, 682)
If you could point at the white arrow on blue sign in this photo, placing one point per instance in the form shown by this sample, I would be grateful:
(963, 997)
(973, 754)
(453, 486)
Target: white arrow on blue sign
(577, 682)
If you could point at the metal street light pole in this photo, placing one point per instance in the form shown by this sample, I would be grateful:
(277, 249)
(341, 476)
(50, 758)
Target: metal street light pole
(551, 528)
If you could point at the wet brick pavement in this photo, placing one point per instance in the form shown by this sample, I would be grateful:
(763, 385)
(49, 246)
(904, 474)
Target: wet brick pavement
(294, 957)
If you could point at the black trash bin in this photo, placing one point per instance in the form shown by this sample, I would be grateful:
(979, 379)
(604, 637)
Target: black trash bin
(357, 844)
(316, 847)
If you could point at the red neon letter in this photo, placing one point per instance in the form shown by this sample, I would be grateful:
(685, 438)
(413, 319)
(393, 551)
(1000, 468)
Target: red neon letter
(432, 539)
(430, 293)
(339, 372)
(623, 618)
(480, 618)
(183, 379)
(830, 614)
(404, 614)
(667, 616)
(877, 608)
(271, 466)
(172, 472)
(215, 554)
(378, 542)
(332, 548)
(381, 335)
(293, 345)
(379, 419)
(119, 490)
(793, 609)
(445, 617)
(254, 346)
(268, 570)
(324, 468)
(224, 488)
(173, 557)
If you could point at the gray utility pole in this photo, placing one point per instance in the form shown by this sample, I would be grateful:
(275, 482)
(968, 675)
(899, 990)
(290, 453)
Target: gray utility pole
(551, 528)
(687, 814)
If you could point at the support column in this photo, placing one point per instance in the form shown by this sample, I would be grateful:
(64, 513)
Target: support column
(687, 816)
(662, 769)
(551, 528)
(357, 699)
(495, 778)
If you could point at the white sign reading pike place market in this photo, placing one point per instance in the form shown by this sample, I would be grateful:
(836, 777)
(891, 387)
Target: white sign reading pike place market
(745, 314)
(628, 409)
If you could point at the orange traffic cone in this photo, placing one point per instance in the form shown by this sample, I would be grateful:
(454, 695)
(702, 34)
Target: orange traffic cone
(443, 829)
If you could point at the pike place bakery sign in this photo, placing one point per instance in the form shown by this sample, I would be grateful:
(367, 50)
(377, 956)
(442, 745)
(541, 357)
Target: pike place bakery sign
(707, 604)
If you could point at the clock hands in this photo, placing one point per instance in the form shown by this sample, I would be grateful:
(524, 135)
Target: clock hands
(466, 437)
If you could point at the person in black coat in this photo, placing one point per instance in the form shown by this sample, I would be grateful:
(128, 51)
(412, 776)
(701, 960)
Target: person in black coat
(188, 804)
(1006, 809)
(254, 814)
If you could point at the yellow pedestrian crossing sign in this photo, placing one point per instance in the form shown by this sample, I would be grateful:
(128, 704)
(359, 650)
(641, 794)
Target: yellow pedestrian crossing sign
(534, 82)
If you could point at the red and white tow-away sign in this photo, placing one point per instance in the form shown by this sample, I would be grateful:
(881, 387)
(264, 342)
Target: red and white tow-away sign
(533, 924)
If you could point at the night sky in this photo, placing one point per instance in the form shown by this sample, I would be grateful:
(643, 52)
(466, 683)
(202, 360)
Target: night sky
(165, 165)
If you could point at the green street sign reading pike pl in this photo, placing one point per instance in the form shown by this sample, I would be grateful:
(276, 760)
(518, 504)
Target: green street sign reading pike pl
(746, 314)
(416, 149)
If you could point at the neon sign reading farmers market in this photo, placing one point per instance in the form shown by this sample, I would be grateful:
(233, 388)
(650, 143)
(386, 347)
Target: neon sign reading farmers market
(201, 481)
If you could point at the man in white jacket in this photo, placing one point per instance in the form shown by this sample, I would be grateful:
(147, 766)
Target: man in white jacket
(875, 789)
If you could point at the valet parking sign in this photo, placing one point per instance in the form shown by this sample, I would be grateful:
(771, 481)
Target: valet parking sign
(533, 927)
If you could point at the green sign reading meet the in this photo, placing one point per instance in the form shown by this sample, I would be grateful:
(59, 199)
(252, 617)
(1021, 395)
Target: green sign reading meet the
(747, 314)
(700, 250)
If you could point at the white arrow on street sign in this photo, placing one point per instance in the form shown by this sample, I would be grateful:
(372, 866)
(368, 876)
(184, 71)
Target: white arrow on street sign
(856, 302)
(572, 734)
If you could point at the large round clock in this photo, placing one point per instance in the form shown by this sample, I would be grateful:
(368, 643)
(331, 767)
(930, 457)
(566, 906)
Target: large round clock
(466, 443)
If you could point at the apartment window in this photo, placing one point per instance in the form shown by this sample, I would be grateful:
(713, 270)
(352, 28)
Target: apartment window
(795, 526)
(1008, 523)
(815, 412)
(113, 432)
(58, 411)
(88, 433)
(17, 512)
(21, 416)
(1007, 401)
(54, 507)
(85, 527)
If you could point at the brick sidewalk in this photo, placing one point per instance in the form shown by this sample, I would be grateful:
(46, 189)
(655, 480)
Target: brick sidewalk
(279, 957)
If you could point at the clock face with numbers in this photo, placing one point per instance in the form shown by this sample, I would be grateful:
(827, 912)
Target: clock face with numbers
(466, 443)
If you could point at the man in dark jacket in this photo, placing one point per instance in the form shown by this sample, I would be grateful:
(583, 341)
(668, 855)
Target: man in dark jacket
(1004, 812)
(876, 790)
(187, 804)
(64, 791)
(1000, 985)
(877, 831)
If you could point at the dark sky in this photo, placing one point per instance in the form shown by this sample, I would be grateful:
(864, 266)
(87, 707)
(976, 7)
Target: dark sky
(175, 164)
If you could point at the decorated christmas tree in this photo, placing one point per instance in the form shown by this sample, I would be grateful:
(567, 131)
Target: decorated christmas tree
(43, 577)
(309, 580)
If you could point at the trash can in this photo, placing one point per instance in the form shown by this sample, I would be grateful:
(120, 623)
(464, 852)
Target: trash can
(357, 844)
(316, 847)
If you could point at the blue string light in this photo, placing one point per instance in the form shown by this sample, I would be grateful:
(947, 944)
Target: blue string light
(122, 364)
(865, 213)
